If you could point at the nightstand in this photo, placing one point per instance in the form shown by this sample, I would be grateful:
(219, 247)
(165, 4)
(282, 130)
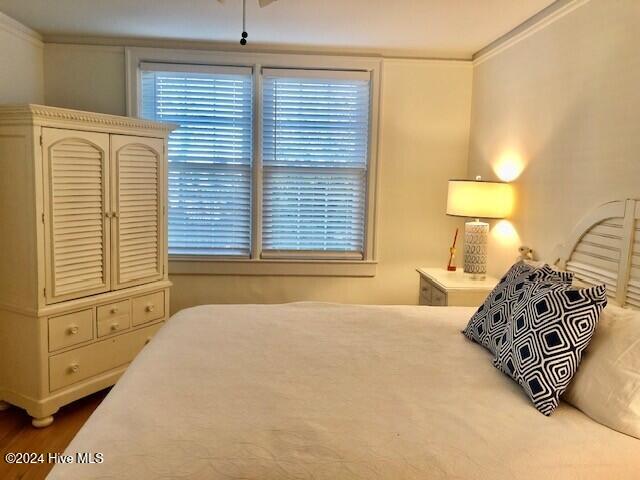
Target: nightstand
(439, 287)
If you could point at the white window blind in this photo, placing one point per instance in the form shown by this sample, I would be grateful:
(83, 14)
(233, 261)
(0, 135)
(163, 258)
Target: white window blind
(315, 157)
(209, 154)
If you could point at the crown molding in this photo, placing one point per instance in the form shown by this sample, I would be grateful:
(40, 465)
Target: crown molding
(427, 61)
(32, 114)
(19, 30)
(233, 47)
(87, 47)
(539, 21)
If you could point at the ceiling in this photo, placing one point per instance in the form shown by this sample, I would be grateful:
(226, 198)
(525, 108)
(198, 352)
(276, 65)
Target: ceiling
(421, 28)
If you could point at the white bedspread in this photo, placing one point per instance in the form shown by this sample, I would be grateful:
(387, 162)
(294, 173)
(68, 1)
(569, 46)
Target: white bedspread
(313, 391)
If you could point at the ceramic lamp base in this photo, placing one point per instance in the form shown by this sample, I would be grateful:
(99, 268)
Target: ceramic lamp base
(475, 249)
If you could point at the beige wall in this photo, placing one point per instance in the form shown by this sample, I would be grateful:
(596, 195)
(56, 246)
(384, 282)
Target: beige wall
(562, 100)
(424, 131)
(565, 100)
(86, 78)
(21, 70)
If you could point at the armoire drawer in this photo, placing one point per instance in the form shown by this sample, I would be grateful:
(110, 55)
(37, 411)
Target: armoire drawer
(147, 308)
(85, 362)
(113, 317)
(70, 329)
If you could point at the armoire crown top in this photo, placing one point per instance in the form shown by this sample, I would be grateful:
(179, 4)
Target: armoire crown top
(33, 114)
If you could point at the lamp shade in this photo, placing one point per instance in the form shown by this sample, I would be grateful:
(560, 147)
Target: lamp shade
(479, 199)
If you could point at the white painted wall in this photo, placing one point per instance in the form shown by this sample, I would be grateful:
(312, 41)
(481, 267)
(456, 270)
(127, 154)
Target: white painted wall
(565, 100)
(424, 129)
(85, 78)
(21, 63)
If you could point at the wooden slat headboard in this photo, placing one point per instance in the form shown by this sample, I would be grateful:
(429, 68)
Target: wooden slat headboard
(605, 248)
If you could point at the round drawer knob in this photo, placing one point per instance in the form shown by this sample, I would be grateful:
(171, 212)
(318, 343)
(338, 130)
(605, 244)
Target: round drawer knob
(73, 329)
(74, 367)
(149, 308)
(114, 326)
(114, 310)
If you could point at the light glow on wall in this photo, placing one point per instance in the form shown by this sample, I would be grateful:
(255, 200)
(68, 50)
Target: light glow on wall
(509, 166)
(505, 234)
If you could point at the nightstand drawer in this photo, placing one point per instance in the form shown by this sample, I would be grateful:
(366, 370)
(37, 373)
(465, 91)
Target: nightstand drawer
(438, 298)
(440, 287)
(425, 292)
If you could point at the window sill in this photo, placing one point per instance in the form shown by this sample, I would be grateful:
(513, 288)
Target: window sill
(296, 268)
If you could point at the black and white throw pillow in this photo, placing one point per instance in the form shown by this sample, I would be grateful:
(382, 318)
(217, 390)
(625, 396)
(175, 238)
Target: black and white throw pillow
(487, 325)
(550, 326)
(490, 319)
(550, 274)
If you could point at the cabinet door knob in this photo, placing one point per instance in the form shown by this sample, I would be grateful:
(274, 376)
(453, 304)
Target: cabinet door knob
(73, 329)
(114, 310)
(107, 214)
(149, 308)
(114, 326)
(74, 367)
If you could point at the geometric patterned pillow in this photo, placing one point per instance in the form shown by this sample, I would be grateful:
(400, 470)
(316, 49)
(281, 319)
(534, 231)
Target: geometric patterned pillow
(542, 345)
(550, 274)
(490, 319)
(487, 325)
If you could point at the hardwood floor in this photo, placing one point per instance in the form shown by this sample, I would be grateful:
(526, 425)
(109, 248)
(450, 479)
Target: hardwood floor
(17, 435)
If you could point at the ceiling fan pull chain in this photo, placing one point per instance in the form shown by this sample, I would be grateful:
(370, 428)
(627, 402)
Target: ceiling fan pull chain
(243, 40)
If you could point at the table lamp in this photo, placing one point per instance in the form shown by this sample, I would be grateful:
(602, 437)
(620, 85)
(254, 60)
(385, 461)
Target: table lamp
(478, 199)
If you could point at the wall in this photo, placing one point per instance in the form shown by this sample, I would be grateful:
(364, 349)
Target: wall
(21, 63)
(424, 131)
(85, 78)
(424, 134)
(563, 101)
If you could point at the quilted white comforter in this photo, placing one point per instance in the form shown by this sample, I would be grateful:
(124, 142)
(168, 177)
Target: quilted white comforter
(313, 391)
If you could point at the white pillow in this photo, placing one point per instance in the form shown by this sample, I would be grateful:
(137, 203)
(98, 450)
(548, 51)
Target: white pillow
(607, 384)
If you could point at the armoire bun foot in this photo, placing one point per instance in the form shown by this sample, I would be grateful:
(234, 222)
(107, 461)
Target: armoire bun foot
(42, 422)
(4, 405)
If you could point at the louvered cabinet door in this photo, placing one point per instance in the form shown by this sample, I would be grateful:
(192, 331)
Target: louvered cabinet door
(137, 186)
(76, 191)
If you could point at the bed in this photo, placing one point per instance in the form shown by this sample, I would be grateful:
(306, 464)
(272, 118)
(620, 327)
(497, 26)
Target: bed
(323, 391)
(315, 391)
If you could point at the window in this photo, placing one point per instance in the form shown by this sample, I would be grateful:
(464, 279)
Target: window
(273, 161)
(209, 154)
(314, 156)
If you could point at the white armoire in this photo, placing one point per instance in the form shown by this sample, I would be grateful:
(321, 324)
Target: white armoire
(83, 251)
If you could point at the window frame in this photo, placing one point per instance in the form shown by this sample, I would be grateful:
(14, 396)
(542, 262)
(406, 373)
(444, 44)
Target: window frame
(311, 264)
